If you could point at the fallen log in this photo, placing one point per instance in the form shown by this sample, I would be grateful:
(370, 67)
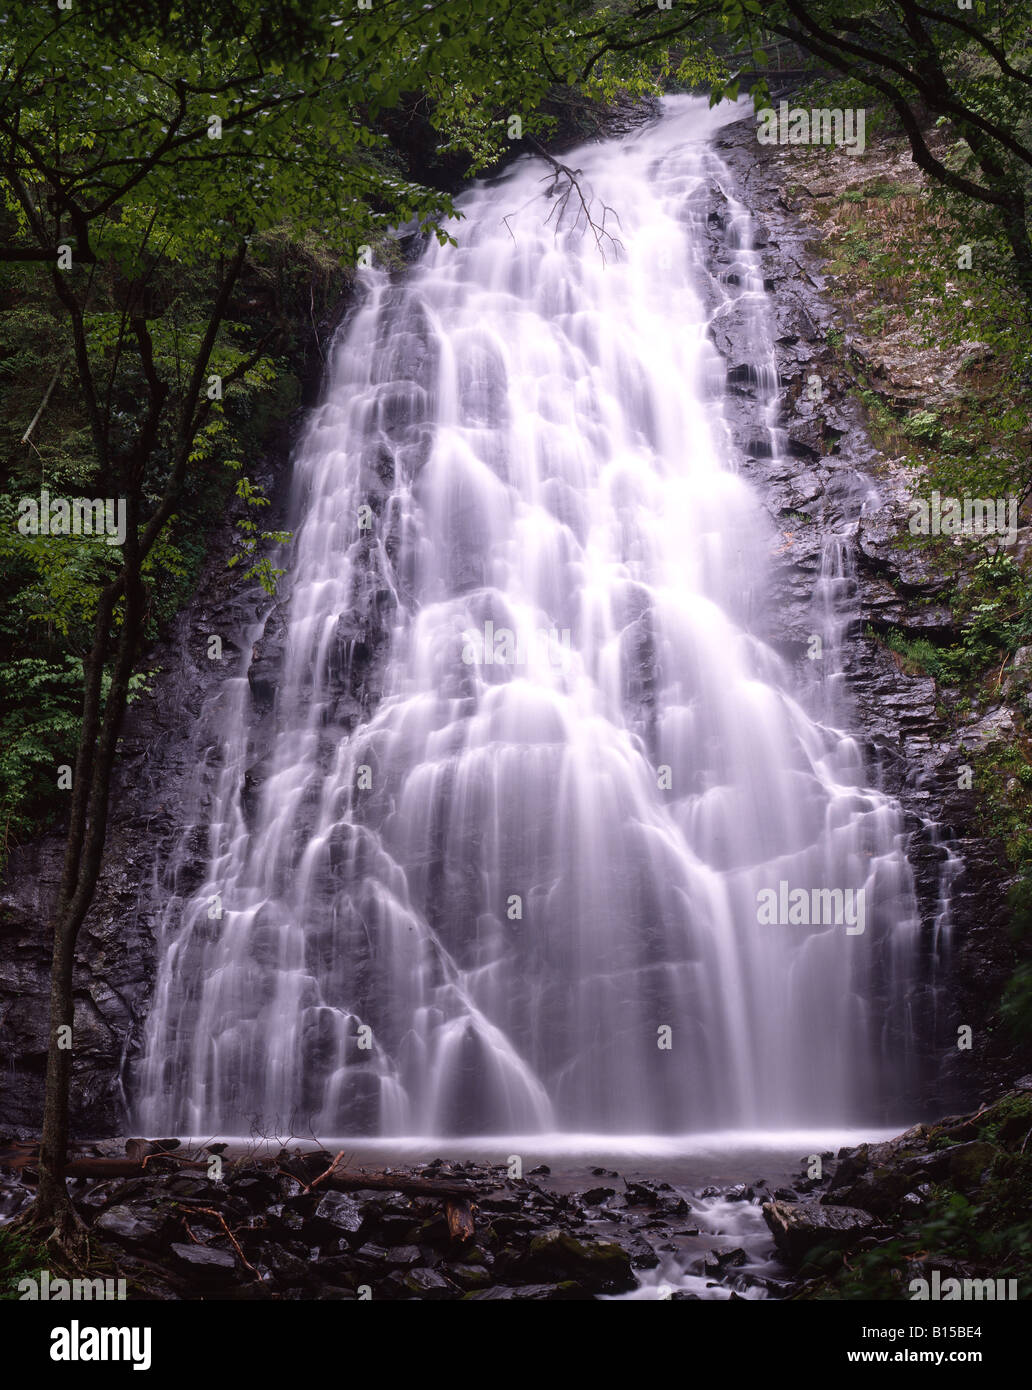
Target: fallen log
(299, 1166)
(112, 1167)
(458, 1190)
(409, 1187)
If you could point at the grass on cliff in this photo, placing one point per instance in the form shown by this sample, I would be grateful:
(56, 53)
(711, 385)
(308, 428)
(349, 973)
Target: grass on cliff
(926, 286)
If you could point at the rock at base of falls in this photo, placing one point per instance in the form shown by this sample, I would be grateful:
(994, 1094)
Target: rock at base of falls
(597, 1265)
(798, 1227)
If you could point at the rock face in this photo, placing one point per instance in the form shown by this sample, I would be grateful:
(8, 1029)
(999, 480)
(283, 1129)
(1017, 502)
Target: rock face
(908, 747)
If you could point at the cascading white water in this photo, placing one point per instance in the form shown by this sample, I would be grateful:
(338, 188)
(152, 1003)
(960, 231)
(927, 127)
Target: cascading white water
(521, 894)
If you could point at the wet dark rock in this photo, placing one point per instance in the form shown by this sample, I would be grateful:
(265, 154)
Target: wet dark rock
(777, 1288)
(205, 1262)
(426, 1283)
(338, 1214)
(500, 1204)
(643, 1256)
(408, 1256)
(545, 1293)
(287, 1268)
(880, 1192)
(660, 1195)
(800, 1227)
(468, 1277)
(595, 1196)
(507, 1226)
(132, 1226)
(397, 1229)
(718, 1261)
(600, 1265)
(288, 1220)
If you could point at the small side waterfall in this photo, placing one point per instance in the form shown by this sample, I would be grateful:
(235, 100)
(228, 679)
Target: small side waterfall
(530, 888)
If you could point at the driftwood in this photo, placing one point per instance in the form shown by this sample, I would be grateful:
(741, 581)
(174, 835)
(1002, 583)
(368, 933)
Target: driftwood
(411, 1187)
(460, 1220)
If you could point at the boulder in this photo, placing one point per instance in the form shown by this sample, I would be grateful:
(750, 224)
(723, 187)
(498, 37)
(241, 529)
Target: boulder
(967, 1163)
(337, 1214)
(132, 1227)
(717, 1261)
(469, 1277)
(424, 1283)
(799, 1227)
(598, 1265)
(205, 1263)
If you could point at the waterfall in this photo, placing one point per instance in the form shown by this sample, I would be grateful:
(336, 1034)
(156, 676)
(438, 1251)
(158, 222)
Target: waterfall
(499, 853)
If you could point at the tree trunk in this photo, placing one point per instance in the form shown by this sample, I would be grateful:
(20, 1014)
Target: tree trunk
(83, 855)
(52, 1195)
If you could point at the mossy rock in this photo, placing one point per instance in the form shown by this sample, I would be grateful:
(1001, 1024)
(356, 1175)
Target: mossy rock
(596, 1264)
(968, 1162)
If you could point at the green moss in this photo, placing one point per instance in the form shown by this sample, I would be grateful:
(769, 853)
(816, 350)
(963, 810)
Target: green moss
(20, 1258)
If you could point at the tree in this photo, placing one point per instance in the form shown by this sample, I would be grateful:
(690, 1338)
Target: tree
(970, 69)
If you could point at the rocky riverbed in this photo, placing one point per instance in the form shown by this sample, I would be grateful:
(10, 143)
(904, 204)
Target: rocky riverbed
(201, 1224)
(270, 1228)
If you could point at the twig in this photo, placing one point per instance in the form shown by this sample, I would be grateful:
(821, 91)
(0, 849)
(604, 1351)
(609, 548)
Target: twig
(598, 229)
(176, 1158)
(210, 1211)
(25, 439)
(316, 1181)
